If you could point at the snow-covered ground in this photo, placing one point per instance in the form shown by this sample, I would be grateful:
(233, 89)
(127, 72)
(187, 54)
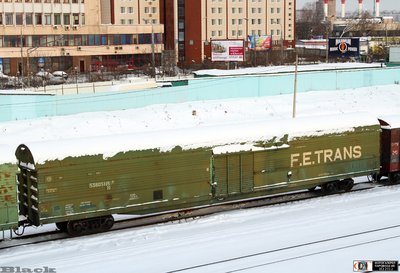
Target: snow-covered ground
(285, 68)
(270, 239)
(377, 100)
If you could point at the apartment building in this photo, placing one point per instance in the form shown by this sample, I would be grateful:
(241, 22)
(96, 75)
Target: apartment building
(78, 35)
(190, 25)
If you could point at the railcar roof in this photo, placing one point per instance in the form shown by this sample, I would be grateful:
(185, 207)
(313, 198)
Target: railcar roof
(391, 122)
(192, 138)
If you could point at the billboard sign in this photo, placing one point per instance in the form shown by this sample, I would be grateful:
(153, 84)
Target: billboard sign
(259, 43)
(344, 47)
(227, 50)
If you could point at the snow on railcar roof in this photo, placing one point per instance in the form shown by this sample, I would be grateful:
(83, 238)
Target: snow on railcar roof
(198, 137)
(391, 121)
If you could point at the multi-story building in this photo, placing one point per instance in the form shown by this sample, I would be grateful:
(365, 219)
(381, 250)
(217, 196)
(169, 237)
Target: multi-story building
(190, 25)
(78, 35)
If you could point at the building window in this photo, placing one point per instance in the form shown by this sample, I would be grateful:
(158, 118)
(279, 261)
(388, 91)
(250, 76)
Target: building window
(181, 36)
(76, 18)
(28, 19)
(67, 19)
(181, 24)
(47, 19)
(38, 19)
(57, 19)
(18, 19)
(9, 19)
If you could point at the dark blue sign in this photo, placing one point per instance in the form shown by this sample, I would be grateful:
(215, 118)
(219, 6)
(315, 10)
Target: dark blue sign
(344, 47)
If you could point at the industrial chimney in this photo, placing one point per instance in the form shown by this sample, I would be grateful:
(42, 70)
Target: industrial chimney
(343, 8)
(360, 6)
(325, 8)
(377, 4)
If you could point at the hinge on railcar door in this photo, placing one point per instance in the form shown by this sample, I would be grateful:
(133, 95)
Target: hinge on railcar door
(213, 182)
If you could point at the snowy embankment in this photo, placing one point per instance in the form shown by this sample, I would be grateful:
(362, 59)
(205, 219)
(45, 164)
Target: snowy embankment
(285, 69)
(377, 100)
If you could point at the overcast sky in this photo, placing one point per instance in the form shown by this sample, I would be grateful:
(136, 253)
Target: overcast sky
(352, 5)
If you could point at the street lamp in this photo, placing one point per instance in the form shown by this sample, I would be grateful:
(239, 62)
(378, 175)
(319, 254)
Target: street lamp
(328, 28)
(281, 41)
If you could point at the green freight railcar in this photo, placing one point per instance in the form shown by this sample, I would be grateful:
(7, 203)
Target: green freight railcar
(8, 189)
(79, 183)
(8, 197)
(329, 160)
(92, 186)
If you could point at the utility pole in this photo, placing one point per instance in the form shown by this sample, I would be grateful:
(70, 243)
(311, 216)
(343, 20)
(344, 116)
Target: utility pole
(22, 58)
(295, 86)
(153, 58)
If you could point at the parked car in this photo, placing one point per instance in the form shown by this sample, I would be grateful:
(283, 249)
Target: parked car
(49, 78)
(44, 75)
(60, 74)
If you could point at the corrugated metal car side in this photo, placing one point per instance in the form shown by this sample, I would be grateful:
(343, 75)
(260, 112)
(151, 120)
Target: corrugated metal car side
(304, 162)
(331, 157)
(139, 181)
(8, 197)
(390, 146)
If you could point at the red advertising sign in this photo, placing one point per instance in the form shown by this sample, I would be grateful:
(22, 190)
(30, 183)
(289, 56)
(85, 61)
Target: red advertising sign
(227, 50)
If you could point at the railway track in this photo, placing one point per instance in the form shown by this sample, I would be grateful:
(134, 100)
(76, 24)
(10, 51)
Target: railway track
(182, 214)
(266, 262)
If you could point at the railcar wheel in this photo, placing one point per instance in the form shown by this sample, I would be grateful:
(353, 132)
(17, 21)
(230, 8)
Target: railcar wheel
(108, 223)
(75, 228)
(394, 178)
(330, 188)
(347, 184)
(62, 226)
(376, 177)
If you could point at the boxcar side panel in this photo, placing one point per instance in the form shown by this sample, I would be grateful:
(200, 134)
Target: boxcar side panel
(8, 197)
(133, 182)
(390, 147)
(336, 156)
(301, 163)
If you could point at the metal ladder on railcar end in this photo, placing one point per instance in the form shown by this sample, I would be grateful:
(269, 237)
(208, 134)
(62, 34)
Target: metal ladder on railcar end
(28, 195)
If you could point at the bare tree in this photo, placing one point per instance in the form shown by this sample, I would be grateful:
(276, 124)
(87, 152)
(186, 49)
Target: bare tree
(310, 22)
(169, 62)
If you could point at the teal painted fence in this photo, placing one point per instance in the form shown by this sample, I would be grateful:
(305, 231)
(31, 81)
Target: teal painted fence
(14, 107)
